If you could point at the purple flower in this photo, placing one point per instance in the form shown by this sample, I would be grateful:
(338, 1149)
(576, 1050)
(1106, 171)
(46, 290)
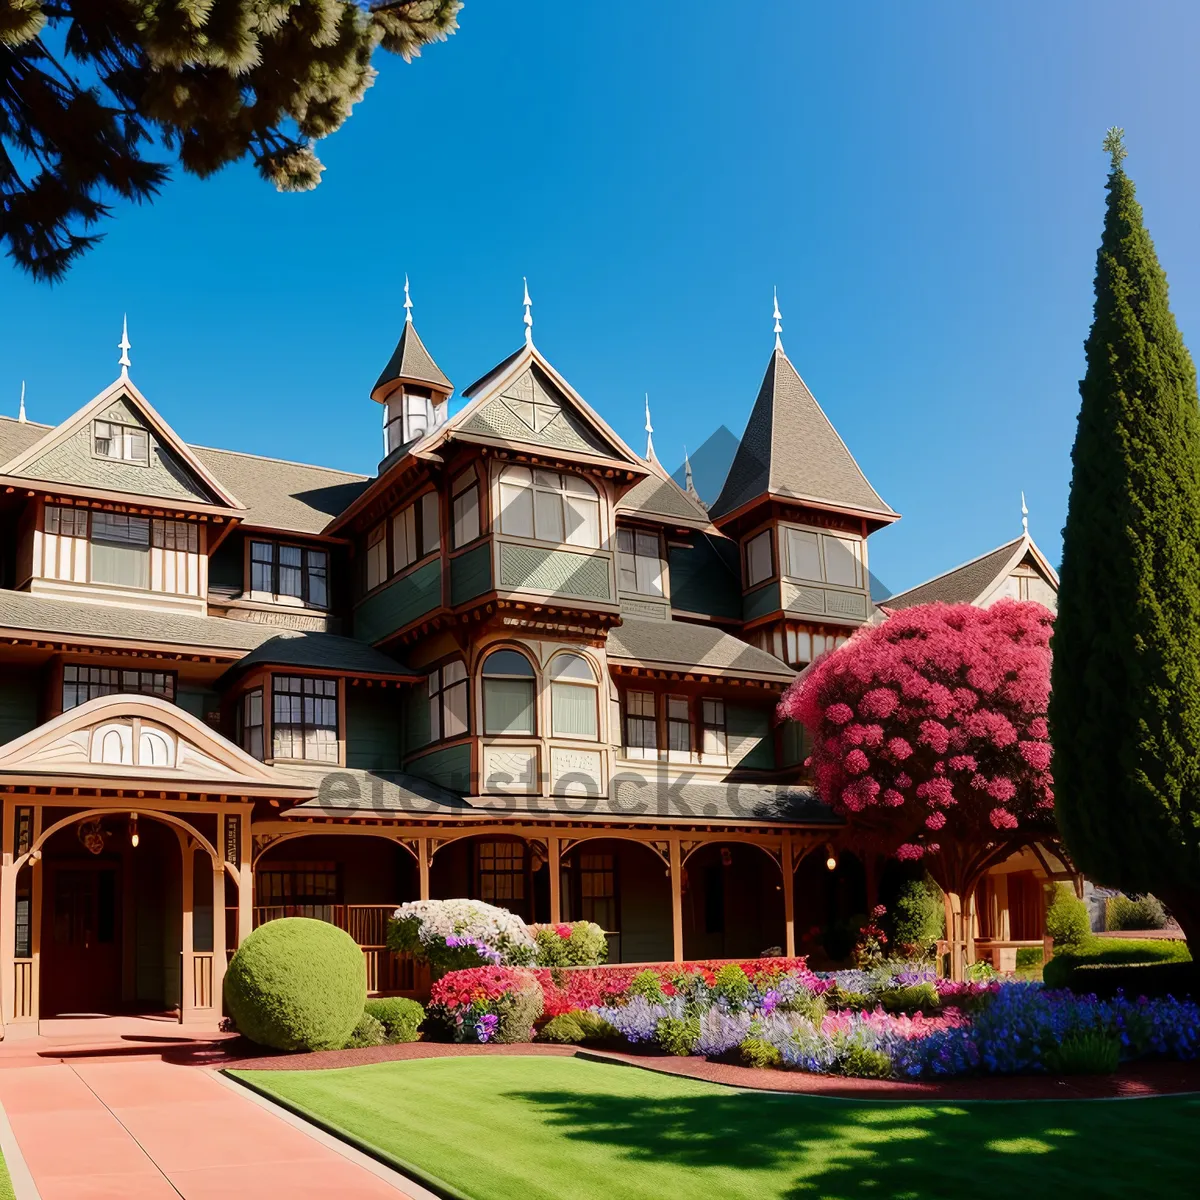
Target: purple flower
(485, 1027)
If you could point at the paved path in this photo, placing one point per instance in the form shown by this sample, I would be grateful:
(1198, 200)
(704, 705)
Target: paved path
(145, 1129)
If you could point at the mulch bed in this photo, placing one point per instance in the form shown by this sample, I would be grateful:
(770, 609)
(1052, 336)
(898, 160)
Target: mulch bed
(1133, 1080)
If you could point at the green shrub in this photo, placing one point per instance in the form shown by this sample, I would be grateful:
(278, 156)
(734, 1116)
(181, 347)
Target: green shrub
(805, 1004)
(865, 1063)
(1134, 912)
(1067, 919)
(980, 971)
(733, 983)
(401, 1019)
(297, 984)
(759, 1053)
(1097, 963)
(1091, 1053)
(1029, 958)
(577, 944)
(917, 997)
(918, 914)
(837, 997)
(575, 1028)
(677, 1035)
(647, 985)
(368, 1032)
(519, 1011)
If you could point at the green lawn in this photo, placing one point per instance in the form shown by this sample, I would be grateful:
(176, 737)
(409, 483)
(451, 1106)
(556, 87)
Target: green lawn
(527, 1128)
(6, 1187)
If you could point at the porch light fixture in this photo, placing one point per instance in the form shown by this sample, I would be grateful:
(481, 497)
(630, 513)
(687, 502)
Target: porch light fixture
(133, 830)
(831, 858)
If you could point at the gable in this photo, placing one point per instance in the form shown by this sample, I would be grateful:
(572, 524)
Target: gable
(139, 737)
(73, 460)
(533, 410)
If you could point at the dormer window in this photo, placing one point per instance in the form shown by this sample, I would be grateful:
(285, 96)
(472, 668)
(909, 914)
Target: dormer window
(289, 573)
(128, 443)
(411, 413)
(548, 507)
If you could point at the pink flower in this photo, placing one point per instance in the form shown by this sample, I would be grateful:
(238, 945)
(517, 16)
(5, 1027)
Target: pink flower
(859, 794)
(1036, 754)
(892, 798)
(856, 762)
(935, 820)
(839, 714)
(934, 735)
(1001, 818)
(909, 852)
(1001, 789)
(879, 703)
(899, 748)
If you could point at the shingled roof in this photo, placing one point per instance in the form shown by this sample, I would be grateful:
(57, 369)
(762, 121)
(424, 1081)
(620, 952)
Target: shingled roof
(324, 651)
(680, 644)
(790, 449)
(659, 498)
(412, 363)
(971, 582)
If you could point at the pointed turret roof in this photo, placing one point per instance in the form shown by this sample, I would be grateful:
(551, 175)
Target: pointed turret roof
(412, 363)
(791, 450)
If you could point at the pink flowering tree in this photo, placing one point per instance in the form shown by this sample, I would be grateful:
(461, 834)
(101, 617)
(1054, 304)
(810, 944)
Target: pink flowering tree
(929, 735)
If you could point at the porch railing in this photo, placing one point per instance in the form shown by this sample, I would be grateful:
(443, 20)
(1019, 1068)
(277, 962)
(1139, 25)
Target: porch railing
(202, 980)
(23, 989)
(388, 973)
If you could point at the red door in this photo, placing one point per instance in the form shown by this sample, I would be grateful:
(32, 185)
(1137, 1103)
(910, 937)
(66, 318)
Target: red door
(81, 939)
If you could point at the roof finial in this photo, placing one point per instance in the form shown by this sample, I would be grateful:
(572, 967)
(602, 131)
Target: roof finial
(778, 319)
(528, 315)
(21, 410)
(689, 484)
(407, 302)
(649, 430)
(124, 347)
(1024, 516)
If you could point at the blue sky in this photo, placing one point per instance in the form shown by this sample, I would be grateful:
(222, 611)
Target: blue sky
(923, 182)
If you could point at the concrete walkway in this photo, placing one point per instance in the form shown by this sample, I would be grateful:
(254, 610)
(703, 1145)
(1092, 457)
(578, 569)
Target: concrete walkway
(112, 1121)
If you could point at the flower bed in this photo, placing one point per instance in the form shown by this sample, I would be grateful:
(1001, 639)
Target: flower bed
(880, 1023)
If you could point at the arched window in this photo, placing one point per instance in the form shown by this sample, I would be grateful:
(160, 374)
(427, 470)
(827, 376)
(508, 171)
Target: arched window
(573, 697)
(549, 507)
(509, 693)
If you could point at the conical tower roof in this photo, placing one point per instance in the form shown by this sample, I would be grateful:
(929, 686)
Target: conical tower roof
(412, 363)
(791, 450)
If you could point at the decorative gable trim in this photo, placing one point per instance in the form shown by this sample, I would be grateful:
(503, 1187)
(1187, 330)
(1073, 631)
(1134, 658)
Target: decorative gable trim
(113, 740)
(124, 389)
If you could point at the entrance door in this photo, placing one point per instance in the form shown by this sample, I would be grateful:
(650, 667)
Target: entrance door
(81, 939)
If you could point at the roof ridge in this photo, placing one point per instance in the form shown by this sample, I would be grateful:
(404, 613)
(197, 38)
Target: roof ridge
(954, 570)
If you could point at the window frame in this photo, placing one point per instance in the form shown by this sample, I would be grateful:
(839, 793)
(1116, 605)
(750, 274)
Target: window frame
(556, 497)
(246, 725)
(276, 568)
(375, 558)
(54, 514)
(520, 874)
(124, 428)
(719, 729)
(592, 684)
(823, 537)
(672, 724)
(747, 557)
(639, 750)
(635, 538)
(96, 687)
(470, 516)
(308, 689)
(421, 534)
(142, 550)
(533, 680)
(440, 700)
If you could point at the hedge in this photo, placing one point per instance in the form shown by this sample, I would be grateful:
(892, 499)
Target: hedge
(1104, 965)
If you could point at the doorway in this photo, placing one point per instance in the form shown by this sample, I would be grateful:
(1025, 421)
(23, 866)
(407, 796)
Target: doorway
(81, 936)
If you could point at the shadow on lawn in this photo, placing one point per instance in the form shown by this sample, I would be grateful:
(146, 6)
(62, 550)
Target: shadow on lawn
(838, 1149)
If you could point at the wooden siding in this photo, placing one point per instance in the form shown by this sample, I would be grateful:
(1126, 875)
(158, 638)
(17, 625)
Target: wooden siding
(585, 574)
(471, 574)
(399, 603)
(759, 603)
(449, 767)
(749, 733)
(373, 727)
(18, 703)
(701, 582)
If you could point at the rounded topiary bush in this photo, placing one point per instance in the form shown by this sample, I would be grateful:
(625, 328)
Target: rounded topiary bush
(297, 984)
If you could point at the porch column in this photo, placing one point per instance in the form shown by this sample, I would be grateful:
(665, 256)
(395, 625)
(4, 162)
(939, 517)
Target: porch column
(8, 907)
(423, 866)
(245, 924)
(677, 899)
(35, 931)
(789, 897)
(218, 959)
(554, 849)
(187, 943)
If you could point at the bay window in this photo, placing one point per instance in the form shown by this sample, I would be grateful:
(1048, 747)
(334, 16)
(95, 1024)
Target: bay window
(509, 693)
(573, 697)
(448, 706)
(639, 562)
(121, 549)
(823, 557)
(548, 507)
(758, 558)
(304, 718)
(465, 508)
(290, 571)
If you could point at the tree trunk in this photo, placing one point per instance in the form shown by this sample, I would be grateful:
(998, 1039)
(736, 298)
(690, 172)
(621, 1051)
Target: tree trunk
(1184, 904)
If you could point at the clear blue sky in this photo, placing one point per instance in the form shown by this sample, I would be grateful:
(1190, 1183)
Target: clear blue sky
(923, 182)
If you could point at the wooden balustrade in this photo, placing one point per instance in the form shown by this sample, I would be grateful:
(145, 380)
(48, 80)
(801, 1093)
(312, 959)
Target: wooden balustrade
(388, 973)
(202, 980)
(23, 989)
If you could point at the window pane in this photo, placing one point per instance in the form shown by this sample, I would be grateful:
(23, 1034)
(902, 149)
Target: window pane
(571, 666)
(804, 556)
(318, 577)
(466, 516)
(404, 544)
(507, 662)
(625, 541)
(508, 705)
(290, 579)
(583, 521)
(516, 509)
(649, 575)
(453, 671)
(455, 708)
(573, 710)
(127, 566)
(627, 566)
(548, 508)
(841, 561)
(431, 535)
(758, 558)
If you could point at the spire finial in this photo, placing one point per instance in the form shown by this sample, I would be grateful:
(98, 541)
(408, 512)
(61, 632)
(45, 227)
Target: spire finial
(778, 319)
(21, 410)
(407, 302)
(124, 346)
(649, 430)
(689, 484)
(528, 314)
(1024, 516)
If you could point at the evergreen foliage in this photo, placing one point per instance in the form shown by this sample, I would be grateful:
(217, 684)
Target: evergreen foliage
(401, 1018)
(918, 913)
(1134, 912)
(93, 94)
(297, 984)
(1125, 704)
(1067, 919)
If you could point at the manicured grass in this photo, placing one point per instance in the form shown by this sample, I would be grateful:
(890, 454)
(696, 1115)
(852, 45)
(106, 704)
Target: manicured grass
(6, 1187)
(526, 1128)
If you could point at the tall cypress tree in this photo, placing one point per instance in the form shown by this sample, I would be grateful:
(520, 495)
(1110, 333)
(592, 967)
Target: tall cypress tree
(1125, 704)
